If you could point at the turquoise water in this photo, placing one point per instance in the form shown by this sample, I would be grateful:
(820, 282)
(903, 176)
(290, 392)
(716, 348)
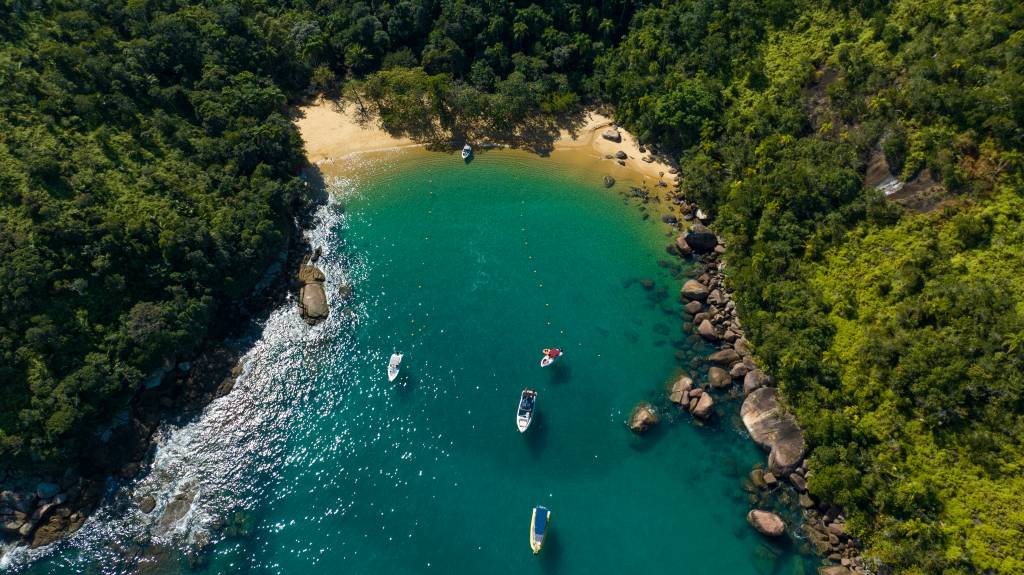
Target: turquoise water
(318, 465)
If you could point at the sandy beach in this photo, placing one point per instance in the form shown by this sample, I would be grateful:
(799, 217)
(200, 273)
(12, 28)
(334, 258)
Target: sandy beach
(332, 135)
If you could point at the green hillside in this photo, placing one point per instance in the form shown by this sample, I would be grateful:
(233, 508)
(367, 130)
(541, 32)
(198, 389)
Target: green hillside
(148, 177)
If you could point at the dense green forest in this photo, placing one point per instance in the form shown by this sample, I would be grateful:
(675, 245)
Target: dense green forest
(895, 335)
(148, 176)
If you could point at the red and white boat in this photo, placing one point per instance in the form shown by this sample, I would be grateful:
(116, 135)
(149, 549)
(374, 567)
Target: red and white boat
(550, 356)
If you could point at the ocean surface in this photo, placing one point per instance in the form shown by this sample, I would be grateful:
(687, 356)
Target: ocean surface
(314, 463)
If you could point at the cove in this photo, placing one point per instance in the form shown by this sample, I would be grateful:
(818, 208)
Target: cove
(316, 464)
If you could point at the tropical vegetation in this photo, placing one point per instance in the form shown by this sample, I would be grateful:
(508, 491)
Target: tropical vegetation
(148, 176)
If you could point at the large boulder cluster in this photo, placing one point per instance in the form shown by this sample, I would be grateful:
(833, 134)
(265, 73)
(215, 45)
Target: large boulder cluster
(732, 368)
(41, 514)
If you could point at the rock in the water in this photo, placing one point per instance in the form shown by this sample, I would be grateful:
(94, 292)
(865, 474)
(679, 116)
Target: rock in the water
(836, 528)
(313, 302)
(682, 247)
(609, 181)
(312, 298)
(716, 297)
(774, 429)
(742, 346)
(693, 308)
(707, 331)
(704, 405)
(719, 378)
(345, 290)
(642, 418)
(766, 522)
(805, 500)
(680, 392)
(726, 357)
(798, 482)
(770, 481)
(147, 504)
(752, 381)
(52, 529)
(693, 290)
(620, 155)
(834, 570)
(738, 370)
(612, 134)
(174, 511)
(11, 524)
(701, 239)
(311, 274)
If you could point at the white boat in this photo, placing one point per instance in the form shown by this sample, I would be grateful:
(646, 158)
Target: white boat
(466, 152)
(393, 365)
(524, 415)
(539, 527)
(550, 356)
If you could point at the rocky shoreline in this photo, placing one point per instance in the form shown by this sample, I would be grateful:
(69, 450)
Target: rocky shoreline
(38, 509)
(733, 372)
(770, 425)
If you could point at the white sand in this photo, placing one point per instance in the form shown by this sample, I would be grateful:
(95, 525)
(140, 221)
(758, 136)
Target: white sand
(332, 134)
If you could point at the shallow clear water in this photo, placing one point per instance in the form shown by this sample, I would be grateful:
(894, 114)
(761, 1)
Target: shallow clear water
(316, 464)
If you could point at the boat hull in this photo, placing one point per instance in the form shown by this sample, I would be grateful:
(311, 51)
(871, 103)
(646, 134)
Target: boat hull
(394, 365)
(539, 528)
(525, 410)
(546, 361)
(523, 423)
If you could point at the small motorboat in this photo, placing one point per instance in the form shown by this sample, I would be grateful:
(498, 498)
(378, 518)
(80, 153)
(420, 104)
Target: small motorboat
(524, 415)
(467, 151)
(550, 355)
(539, 527)
(393, 366)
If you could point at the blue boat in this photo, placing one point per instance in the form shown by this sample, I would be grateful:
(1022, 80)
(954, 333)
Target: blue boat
(539, 527)
(524, 415)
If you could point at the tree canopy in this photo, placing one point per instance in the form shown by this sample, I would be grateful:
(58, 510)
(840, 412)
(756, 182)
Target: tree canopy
(148, 176)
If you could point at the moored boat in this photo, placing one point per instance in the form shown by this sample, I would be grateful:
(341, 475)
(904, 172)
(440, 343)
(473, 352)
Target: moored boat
(467, 151)
(550, 355)
(393, 366)
(539, 527)
(524, 415)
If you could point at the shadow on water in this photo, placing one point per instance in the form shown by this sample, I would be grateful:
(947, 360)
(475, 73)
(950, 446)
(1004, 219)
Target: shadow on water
(551, 554)
(560, 373)
(650, 438)
(536, 436)
(406, 383)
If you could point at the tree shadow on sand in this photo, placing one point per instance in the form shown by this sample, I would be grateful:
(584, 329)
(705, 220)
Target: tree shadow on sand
(534, 132)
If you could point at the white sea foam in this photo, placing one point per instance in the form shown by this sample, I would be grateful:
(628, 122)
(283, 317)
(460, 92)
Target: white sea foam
(202, 469)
